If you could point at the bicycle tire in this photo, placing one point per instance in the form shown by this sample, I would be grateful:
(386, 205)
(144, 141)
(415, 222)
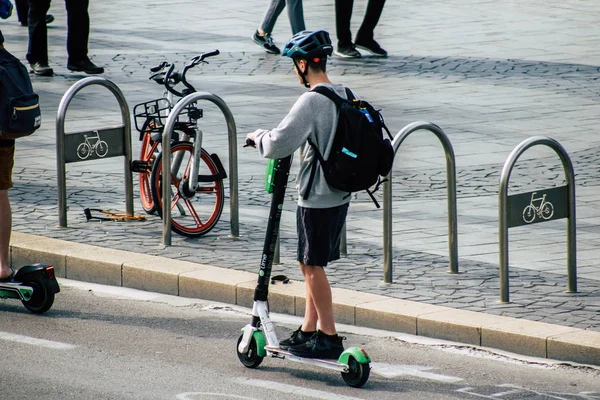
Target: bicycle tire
(146, 152)
(205, 208)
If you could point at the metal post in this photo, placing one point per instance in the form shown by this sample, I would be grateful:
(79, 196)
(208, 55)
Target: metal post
(60, 143)
(451, 189)
(166, 171)
(387, 229)
(503, 212)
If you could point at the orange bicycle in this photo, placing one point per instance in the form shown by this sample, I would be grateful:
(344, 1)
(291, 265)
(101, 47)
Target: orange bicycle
(199, 203)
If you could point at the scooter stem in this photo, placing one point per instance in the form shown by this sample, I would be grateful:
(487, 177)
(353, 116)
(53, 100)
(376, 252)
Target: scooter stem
(282, 172)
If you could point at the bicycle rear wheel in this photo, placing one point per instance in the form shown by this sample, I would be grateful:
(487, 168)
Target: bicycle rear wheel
(149, 148)
(195, 216)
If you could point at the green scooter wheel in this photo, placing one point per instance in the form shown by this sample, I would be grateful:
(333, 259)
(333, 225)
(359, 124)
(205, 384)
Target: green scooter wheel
(251, 359)
(42, 297)
(358, 373)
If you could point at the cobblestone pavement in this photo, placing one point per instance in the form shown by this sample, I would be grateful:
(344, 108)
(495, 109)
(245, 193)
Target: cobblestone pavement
(490, 73)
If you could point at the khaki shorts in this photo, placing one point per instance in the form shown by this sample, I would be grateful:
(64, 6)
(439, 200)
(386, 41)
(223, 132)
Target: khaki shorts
(7, 159)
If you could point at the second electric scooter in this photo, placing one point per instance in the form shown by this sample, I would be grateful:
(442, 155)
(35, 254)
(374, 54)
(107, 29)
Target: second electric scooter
(35, 285)
(258, 339)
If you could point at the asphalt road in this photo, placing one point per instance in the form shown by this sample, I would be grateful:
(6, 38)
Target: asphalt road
(100, 342)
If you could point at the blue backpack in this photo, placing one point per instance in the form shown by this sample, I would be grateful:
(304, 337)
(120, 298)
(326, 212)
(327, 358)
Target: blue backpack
(20, 113)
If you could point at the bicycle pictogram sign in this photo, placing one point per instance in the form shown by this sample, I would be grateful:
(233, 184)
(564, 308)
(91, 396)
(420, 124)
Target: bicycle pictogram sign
(92, 144)
(544, 209)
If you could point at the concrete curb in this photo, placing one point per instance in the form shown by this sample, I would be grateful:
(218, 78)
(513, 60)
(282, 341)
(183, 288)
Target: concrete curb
(163, 275)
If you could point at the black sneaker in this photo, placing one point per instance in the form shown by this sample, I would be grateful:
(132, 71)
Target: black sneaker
(266, 42)
(320, 346)
(85, 65)
(297, 337)
(371, 46)
(41, 68)
(347, 51)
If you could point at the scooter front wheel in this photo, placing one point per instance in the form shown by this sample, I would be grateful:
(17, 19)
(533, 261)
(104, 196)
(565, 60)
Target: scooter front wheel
(358, 373)
(251, 359)
(42, 298)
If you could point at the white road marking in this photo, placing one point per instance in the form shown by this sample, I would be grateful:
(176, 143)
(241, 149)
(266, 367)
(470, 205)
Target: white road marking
(392, 371)
(35, 342)
(186, 396)
(291, 389)
(519, 390)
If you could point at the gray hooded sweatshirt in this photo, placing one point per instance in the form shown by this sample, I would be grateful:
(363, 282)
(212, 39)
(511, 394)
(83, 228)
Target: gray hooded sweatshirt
(313, 116)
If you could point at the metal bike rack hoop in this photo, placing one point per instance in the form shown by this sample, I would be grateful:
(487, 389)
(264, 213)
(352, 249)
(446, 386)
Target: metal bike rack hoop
(451, 189)
(121, 133)
(166, 166)
(563, 194)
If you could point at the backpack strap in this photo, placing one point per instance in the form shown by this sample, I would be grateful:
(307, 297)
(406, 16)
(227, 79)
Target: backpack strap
(350, 95)
(330, 94)
(313, 170)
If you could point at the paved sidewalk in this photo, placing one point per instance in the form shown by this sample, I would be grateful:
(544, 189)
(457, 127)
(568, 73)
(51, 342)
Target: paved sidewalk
(490, 74)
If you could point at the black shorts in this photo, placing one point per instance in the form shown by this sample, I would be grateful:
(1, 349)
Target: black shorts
(319, 231)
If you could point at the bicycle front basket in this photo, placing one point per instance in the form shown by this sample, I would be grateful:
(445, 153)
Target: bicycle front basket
(151, 115)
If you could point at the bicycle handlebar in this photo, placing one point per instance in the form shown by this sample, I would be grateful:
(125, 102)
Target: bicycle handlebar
(159, 66)
(173, 78)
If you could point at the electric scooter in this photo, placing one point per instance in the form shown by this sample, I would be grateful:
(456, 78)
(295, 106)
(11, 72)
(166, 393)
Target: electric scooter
(35, 285)
(258, 339)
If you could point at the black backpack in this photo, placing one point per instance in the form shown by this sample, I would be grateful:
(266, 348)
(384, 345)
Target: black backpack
(19, 106)
(360, 154)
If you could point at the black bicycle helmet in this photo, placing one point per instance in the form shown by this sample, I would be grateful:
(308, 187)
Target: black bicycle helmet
(308, 44)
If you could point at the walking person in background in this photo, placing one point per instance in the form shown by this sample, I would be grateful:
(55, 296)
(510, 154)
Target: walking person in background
(78, 32)
(22, 7)
(262, 36)
(364, 38)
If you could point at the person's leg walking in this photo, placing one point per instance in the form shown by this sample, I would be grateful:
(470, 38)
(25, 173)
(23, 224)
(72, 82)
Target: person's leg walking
(296, 15)
(343, 15)
(38, 32)
(262, 36)
(364, 37)
(78, 34)
(78, 29)
(372, 15)
(273, 11)
(22, 11)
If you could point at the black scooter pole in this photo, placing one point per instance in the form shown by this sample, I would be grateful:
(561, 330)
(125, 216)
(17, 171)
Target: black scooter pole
(282, 172)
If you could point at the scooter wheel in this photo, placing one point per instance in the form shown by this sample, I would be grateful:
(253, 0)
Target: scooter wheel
(251, 359)
(42, 297)
(358, 373)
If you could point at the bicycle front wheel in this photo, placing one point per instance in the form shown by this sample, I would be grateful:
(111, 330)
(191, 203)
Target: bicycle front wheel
(195, 216)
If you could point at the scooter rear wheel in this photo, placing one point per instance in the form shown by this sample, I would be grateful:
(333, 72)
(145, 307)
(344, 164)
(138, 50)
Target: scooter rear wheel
(251, 359)
(42, 297)
(358, 373)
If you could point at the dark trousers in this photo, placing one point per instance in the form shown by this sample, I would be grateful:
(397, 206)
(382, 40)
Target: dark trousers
(22, 10)
(343, 14)
(78, 30)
